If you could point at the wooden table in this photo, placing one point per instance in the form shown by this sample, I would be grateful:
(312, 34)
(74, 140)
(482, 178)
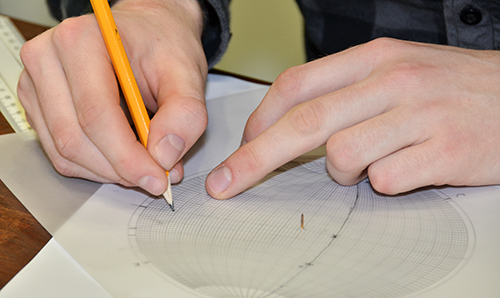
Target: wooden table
(21, 235)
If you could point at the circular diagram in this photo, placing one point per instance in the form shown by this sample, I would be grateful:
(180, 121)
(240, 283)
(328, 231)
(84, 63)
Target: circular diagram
(297, 233)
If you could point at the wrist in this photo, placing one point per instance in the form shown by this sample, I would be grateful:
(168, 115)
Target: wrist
(187, 12)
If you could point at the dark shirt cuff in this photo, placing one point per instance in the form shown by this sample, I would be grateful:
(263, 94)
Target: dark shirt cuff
(216, 34)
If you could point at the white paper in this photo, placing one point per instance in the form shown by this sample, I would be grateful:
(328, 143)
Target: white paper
(53, 273)
(354, 242)
(29, 175)
(359, 246)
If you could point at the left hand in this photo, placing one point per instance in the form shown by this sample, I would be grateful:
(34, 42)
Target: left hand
(71, 97)
(404, 114)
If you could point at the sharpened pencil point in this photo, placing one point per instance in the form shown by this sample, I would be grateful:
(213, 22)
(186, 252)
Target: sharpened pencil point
(168, 194)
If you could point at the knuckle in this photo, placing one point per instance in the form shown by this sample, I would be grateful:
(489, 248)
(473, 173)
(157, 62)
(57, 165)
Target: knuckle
(62, 166)
(121, 181)
(199, 111)
(454, 148)
(341, 155)
(69, 32)
(307, 119)
(406, 74)
(23, 87)
(253, 127)
(381, 182)
(88, 114)
(67, 143)
(399, 69)
(382, 178)
(384, 43)
(29, 52)
(196, 111)
(389, 178)
(289, 82)
(123, 167)
(253, 161)
(384, 47)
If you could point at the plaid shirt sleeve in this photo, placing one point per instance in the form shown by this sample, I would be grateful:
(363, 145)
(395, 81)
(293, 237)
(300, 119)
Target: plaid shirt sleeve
(334, 25)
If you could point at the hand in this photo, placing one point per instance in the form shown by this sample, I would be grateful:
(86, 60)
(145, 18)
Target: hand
(405, 114)
(71, 96)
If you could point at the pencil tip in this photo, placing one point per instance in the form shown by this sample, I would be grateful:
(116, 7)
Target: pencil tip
(168, 194)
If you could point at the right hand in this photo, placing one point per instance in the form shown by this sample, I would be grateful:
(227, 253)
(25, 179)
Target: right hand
(405, 114)
(70, 93)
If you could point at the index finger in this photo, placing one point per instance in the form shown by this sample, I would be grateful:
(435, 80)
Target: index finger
(305, 127)
(308, 81)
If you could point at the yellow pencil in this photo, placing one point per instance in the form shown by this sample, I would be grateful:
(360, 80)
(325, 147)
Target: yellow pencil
(125, 76)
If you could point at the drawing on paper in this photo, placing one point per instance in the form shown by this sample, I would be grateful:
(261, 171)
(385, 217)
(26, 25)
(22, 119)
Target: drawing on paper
(357, 243)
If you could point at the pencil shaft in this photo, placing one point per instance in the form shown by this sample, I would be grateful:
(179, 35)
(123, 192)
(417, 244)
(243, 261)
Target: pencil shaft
(122, 68)
(125, 76)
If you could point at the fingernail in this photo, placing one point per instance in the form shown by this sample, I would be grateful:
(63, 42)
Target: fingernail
(169, 150)
(219, 180)
(174, 176)
(152, 185)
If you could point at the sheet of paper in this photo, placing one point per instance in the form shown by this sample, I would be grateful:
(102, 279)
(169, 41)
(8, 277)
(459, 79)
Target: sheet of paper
(53, 273)
(23, 163)
(353, 242)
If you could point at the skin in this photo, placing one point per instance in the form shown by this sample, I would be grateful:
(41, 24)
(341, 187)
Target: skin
(71, 96)
(404, 114)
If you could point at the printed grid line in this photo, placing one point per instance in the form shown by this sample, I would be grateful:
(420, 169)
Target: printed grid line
(356, 242)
